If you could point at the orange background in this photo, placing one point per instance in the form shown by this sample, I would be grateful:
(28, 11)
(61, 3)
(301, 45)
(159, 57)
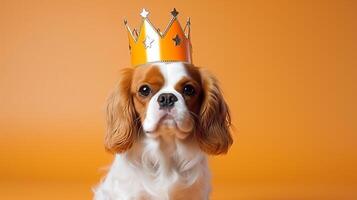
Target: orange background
(287, 68)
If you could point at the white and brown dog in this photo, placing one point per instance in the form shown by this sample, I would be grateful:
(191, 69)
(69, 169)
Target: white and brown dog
(162, 121)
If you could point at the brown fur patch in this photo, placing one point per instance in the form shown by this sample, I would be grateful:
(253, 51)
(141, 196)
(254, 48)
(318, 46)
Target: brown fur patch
(213, 134)
(122, 127)
(145, 75)
(194, 79)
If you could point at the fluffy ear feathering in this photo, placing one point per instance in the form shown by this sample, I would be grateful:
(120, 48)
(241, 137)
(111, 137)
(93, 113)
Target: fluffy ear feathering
(213, 133)
(212, 128)
(121, 118)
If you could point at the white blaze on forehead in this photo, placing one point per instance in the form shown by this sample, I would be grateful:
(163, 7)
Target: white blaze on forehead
(172, 73)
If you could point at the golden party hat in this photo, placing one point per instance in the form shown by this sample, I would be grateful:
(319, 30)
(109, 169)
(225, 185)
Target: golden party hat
(150, 45)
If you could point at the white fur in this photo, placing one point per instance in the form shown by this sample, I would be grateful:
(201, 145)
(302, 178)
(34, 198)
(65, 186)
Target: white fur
(161, 165)
(157, 169)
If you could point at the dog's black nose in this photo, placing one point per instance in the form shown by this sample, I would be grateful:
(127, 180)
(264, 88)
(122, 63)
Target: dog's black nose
(166, 100)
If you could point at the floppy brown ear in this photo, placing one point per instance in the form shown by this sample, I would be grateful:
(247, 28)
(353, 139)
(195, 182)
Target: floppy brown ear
(121, 119)
(214, 133)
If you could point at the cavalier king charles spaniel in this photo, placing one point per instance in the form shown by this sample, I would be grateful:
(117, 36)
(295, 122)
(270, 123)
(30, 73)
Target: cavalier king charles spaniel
(162, 121)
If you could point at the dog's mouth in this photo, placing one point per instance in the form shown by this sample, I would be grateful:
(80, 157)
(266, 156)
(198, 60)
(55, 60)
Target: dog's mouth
(167, 116)
(166, 121)
(171, 124)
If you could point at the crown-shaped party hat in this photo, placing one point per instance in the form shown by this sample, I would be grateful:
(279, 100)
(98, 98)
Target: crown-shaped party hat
(150, 45)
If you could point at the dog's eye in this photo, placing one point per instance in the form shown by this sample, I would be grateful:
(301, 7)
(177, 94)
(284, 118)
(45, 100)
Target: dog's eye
(144, 90)
(189, 90)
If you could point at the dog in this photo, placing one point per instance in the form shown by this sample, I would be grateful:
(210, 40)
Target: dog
(163, 119)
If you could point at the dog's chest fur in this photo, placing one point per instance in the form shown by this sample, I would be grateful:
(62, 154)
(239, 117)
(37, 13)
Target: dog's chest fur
(158, 168)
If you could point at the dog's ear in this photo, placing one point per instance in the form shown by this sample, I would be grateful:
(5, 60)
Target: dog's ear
(121, 118)
(213, 134)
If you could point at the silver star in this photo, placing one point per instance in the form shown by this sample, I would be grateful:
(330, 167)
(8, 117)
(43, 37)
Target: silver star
(177, 40)
(144, 13)
(147, 42)
(174, 12)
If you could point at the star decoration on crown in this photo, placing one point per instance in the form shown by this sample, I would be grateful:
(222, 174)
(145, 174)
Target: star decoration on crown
(177, 40)
(174, 12)
(144, 13)
(148, 42)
